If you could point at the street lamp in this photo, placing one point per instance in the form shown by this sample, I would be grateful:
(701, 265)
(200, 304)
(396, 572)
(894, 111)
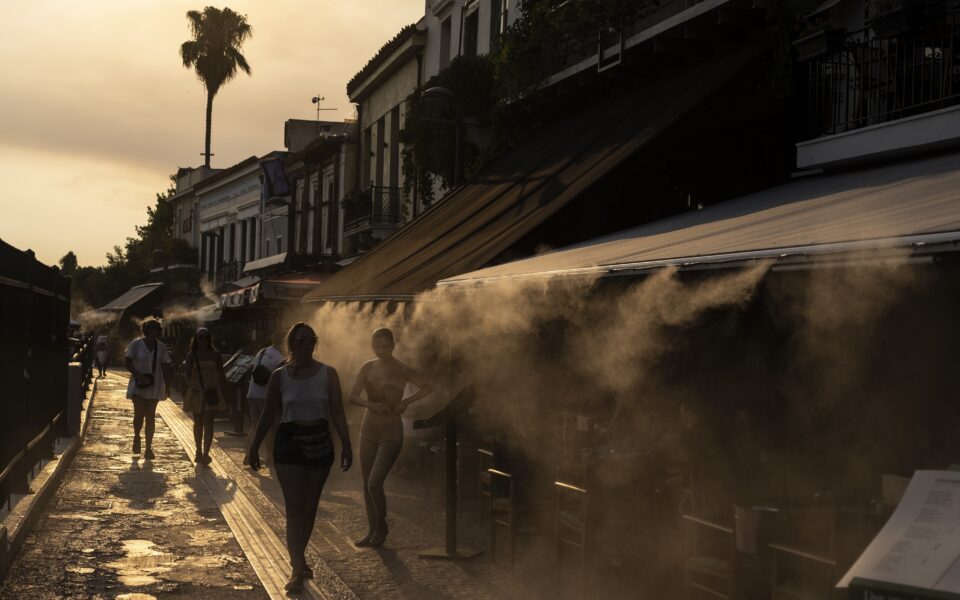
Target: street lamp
(443, 94)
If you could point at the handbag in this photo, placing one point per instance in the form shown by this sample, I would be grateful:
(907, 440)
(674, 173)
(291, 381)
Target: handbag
(145, 380)
(261, 374)
(211, 397)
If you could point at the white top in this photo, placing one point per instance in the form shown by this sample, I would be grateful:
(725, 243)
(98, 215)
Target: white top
(142, 362)
(270, 357)
(305, 399)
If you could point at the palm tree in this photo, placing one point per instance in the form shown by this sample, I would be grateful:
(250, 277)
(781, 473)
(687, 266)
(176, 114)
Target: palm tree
(214, 52)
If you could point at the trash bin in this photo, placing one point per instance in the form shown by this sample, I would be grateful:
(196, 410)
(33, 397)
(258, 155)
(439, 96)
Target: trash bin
(752, 526)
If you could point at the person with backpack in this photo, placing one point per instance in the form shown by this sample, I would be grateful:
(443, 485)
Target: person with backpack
(265, 362)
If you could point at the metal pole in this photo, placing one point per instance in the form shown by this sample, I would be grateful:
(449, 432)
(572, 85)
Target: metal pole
(457, 142)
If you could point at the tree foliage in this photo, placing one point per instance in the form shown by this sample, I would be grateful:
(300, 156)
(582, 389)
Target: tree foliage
(497, 91)
(129, 264)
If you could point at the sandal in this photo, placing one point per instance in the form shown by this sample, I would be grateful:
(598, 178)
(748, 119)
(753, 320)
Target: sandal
(364, 541)
(148, 455)
(295, 584)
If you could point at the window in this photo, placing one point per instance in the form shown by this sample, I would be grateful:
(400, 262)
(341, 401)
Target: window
(279, 244)
(266, 246)
(333, 218)
(498, 12)
(445, 43)
(471, 29)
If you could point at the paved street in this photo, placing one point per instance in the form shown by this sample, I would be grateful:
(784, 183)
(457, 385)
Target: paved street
(121, 527)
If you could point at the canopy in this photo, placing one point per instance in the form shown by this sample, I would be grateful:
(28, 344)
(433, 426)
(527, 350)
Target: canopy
(132, 296)
(914, 204)
(522, 189)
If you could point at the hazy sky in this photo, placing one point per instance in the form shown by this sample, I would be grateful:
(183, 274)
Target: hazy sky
(98, 111)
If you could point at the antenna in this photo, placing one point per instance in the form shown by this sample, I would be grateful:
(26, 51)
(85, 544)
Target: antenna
(317, 100)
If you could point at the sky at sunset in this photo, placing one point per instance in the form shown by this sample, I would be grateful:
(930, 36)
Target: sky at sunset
(98, 110)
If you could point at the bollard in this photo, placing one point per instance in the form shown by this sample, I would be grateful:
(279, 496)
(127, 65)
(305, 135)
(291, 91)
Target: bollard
(74, 398)
(4, 553)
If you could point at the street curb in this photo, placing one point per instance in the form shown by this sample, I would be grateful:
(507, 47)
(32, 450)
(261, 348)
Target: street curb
(20, 522)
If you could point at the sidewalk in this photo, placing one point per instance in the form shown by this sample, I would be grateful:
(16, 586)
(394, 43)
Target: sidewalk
(121, 527)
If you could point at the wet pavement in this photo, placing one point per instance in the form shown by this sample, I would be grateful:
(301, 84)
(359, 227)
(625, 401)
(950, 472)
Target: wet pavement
(122, 527)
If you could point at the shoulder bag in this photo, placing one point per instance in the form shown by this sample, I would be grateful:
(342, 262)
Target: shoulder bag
(145, 380)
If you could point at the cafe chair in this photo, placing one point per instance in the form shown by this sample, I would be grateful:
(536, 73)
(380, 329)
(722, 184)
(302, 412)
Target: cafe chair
(483, 486)
(572, 528)
(511, 512)
(710, 552)
(803, 566)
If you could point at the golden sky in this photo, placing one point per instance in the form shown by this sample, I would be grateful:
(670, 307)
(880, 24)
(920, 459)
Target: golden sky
(98, 111)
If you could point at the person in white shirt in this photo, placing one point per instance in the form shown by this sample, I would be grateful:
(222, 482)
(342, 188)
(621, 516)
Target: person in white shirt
(269, 358)
(149, 362)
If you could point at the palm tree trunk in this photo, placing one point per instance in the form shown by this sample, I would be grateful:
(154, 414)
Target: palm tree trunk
(206, 146)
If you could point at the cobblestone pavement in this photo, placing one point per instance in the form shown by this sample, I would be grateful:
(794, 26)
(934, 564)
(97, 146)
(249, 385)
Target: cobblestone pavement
(122, 527)
(416, 523)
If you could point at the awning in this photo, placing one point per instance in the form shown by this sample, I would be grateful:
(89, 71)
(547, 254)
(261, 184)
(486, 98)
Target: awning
(288, 287)
(913, 205)
(522, 189)
(262, 263)
(132, 296)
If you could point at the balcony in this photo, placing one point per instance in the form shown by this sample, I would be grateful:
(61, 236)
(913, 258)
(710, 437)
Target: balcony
(878, 96)
(376, 208)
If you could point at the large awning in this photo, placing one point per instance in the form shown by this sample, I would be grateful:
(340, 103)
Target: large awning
(911, 205)
(132, 296)
(287, 287)
(522, 189)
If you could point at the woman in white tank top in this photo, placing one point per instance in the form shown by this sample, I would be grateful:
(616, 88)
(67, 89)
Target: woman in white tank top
(307, 395)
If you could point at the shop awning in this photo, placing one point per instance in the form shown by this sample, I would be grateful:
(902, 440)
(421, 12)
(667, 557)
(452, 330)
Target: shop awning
(132, 296)
(263, 263)
(519, 191)
(911, 205)
(286, 287)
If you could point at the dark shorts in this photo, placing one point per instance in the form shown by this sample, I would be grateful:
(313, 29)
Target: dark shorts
(306, 445)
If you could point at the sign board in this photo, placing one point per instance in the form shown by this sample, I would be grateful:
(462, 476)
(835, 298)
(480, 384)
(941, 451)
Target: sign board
(915, 555)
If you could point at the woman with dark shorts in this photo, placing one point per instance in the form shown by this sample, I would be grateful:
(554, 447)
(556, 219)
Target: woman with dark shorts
(383, 379)
(307, 395)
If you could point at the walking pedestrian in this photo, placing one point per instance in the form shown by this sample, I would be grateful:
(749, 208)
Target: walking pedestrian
(100, 347)
(148, 361)
(383, 379)
(306, 393)
(266, 361)
(205, 397)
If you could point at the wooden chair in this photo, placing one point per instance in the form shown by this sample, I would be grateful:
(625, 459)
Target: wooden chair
(803, 565)
(710, 552)
(572, 528)
(485, 462)
(510, 512)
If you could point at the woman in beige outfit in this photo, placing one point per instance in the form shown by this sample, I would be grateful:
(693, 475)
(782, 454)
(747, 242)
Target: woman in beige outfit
(205, 397)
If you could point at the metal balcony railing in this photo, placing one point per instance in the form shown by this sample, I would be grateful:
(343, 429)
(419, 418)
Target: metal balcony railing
(876, 80)
(377, 206)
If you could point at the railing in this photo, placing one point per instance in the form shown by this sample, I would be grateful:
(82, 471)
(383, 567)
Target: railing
(872, 81)
(573, 49)
(378, 206)
(34, 314)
